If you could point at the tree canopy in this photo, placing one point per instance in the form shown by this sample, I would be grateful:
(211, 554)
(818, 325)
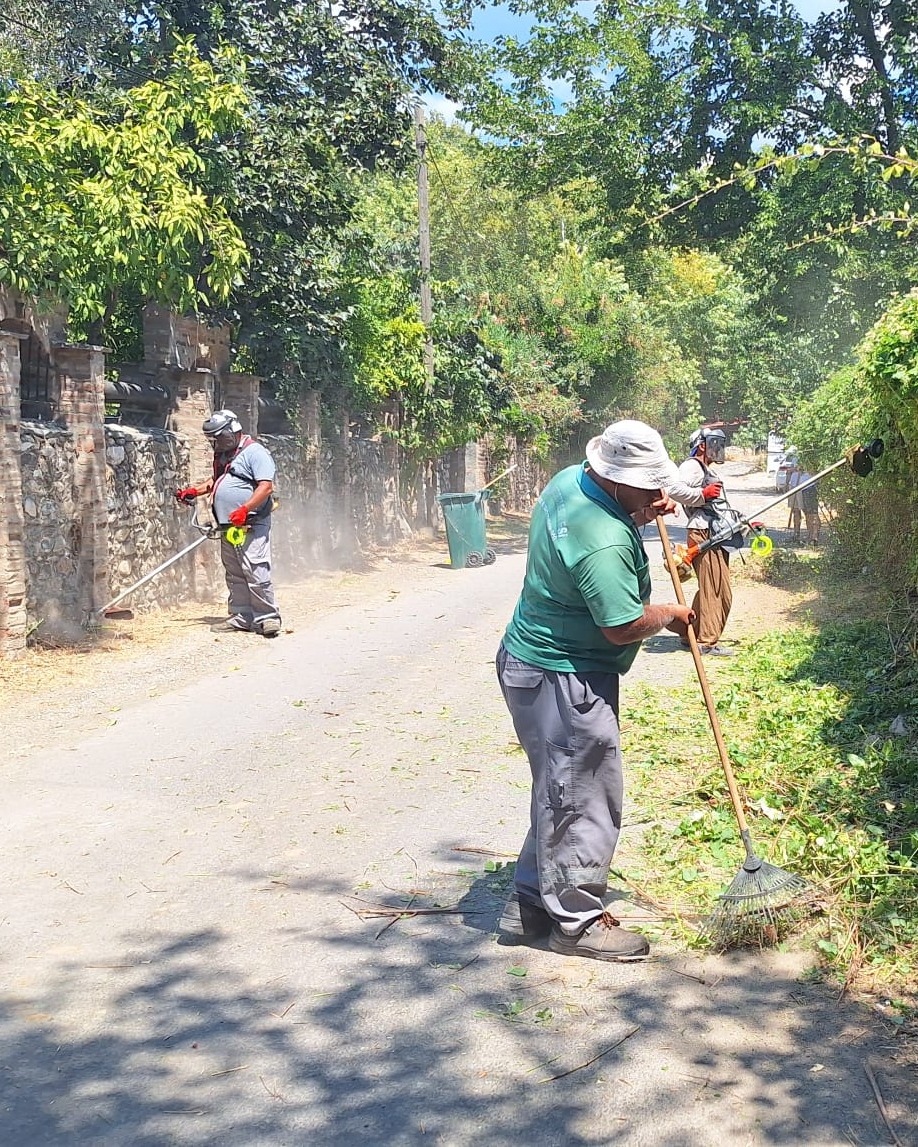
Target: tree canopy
(671, 208)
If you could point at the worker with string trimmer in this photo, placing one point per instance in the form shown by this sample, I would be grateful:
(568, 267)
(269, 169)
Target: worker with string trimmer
(701, 491)
(241, 492)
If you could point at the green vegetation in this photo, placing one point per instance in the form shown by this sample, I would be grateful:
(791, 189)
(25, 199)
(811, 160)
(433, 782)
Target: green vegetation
(820, 729)
(877, 528)
(102, 197)
(671, 210)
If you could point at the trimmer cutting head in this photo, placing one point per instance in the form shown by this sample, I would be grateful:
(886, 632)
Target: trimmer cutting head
(861, 458)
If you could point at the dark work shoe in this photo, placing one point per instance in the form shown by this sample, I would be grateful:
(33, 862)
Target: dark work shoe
(270, 627)
(604, 939)
(521, 920)
(716, 651)
(234, 624)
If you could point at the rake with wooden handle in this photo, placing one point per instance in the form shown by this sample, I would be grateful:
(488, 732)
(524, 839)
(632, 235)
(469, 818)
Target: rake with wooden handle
(762, 896)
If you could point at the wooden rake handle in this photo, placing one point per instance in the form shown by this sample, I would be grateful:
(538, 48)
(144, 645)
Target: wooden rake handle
(703, 682)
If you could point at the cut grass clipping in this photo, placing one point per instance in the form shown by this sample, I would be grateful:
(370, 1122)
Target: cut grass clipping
(821, 731)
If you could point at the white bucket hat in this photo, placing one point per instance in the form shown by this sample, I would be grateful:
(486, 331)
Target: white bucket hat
(632, 453)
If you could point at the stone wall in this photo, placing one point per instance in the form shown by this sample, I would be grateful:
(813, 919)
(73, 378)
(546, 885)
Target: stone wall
(520, 489)
(299, 532)
(317, 527)
(146, 524)
(51, 541)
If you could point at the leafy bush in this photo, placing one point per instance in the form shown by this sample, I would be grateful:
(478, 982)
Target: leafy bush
(877, 529)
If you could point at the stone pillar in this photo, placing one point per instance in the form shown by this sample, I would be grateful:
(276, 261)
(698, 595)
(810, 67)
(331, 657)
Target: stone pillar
(472, 479)
(81, 375)
(309, 436)
(393, 523)
(13, 621)
(193, 403)
(344, 541)
(240, 394)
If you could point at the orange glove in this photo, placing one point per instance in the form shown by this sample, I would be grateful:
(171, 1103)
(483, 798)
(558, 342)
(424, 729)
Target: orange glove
(239, 517)
(712, 491)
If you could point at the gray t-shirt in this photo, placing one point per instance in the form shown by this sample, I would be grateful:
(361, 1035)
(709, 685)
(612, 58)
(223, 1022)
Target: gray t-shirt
(253, 464)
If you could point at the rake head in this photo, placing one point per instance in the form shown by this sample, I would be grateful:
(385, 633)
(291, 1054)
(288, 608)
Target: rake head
(760, 907)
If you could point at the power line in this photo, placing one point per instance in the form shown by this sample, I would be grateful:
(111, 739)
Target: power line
(449, 199)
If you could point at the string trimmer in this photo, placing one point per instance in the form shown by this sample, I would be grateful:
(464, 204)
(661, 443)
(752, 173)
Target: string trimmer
(760, 902)
(235, 535)
(859, 458)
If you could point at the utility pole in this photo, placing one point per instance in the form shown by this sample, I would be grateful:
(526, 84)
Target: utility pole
(420, 140)
(427, 474)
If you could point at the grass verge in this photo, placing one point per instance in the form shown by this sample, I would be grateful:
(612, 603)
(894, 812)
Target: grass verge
(820, 729)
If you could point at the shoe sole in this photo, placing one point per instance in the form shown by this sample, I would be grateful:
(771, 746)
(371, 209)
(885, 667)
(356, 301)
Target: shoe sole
(603, 957)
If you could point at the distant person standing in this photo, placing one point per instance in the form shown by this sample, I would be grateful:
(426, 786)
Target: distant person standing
(241, 495)
(795, 501)
(698, 490)
(809, 502)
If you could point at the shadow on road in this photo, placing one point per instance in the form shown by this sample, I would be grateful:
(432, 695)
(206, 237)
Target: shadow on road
(432, 1033)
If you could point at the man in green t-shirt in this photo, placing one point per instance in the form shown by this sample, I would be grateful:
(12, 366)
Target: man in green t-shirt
(582, 614)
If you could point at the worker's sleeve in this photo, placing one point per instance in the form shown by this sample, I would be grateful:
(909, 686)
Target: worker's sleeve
(260, 464)
(688, 490)
(610, 582)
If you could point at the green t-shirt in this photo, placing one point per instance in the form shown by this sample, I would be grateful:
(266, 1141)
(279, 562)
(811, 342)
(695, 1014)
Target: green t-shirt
(586, 568)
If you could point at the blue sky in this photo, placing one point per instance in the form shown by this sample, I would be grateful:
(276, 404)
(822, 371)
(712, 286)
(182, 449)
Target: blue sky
(497, 20)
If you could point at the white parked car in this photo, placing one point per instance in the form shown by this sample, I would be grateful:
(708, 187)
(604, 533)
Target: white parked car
(783, 472)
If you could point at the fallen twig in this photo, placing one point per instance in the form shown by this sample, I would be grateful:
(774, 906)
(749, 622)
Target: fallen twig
(392, 921)
(644, 894)
(699, 979)
(605, 1051)
(482, 851)
(229, 1070)
(387, 910)
(878, 1096)
(275, 1094)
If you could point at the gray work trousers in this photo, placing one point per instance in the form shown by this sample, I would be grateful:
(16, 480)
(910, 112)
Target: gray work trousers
(248, 575)
(567, 724)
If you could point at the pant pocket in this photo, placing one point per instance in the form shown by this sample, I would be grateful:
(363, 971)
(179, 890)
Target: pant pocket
(559, 778)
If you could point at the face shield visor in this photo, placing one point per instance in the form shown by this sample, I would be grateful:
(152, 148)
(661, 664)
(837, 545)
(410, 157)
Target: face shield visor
(222, 442)
(714, 445)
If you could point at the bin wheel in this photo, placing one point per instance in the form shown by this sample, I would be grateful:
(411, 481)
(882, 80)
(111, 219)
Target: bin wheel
(490, 557)
(474, 560)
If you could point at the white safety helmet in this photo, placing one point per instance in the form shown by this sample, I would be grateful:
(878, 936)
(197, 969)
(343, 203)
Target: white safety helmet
(221, 422)
(713, 441)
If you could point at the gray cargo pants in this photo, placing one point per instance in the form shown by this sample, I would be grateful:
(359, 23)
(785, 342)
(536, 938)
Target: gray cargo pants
(567, 724)
(248, 575)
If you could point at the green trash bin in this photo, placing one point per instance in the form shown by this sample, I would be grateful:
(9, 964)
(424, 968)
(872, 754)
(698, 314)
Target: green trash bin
(464, 515)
